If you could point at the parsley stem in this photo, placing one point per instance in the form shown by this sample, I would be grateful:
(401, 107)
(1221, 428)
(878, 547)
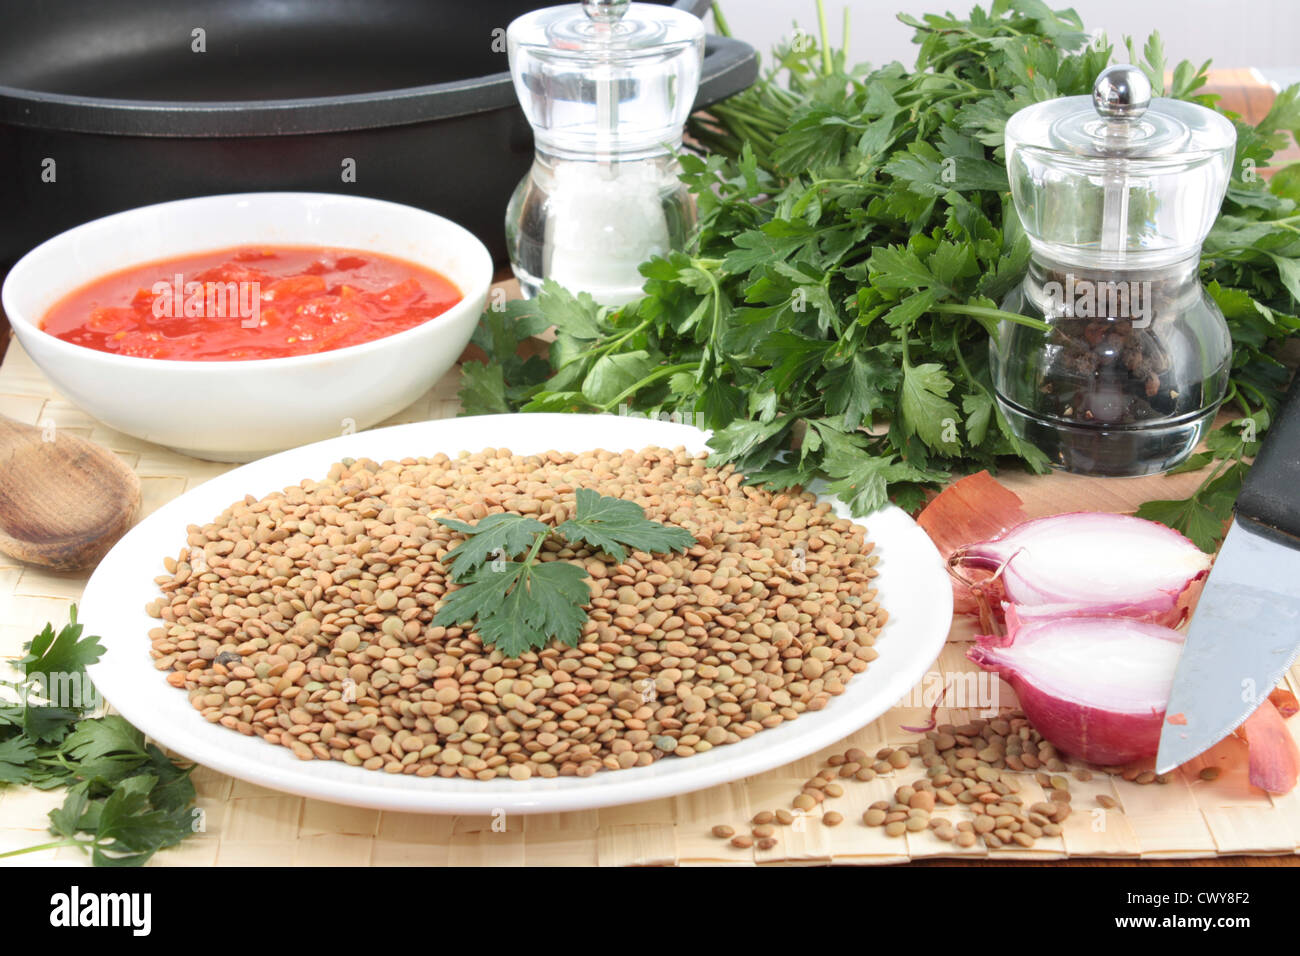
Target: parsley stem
(720, 22)
(608, 346)
(1258, 395)
(753, 120)
(537, 546)
(654, 376)
(52, 845)
(983, 311)
(843, 182)
(703, 266)
(1234, 395)
(961, 363)
(828, 62)
(1223, 462)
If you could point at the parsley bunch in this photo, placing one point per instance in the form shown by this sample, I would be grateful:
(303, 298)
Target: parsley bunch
(523, 605)
(126, 799)
(856, 236)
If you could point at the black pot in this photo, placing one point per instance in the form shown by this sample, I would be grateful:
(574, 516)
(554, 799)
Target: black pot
(107, 104)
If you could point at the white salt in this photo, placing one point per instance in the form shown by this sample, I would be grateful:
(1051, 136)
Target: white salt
(603, 221)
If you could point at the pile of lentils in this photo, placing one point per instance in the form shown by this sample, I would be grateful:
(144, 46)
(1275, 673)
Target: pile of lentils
(304, 617)
(978, 768)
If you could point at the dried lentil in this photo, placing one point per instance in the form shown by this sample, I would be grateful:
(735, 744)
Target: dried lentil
(322, 595)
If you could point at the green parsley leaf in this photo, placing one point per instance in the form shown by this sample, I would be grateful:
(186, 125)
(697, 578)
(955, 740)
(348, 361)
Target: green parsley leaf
(863, 482)
(53, 661)
(74, 816)
(56, 688)
(15, 754)
(110, 735)
(495, 537)
(614, 374)
(518, 606)
(521, 607)
(483, 389)
(481, 592)
(612, 525)
(925, 410)
(1192, 516)
(130, 822)
(544, 604)
(859, 388)
(126, 796)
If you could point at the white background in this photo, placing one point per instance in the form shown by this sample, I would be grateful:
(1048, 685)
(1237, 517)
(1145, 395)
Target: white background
(1259, 33)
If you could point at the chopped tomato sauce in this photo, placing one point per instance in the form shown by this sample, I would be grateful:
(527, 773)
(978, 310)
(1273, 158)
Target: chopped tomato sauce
(250, 303)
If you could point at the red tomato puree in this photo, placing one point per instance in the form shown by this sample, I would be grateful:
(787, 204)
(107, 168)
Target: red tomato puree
(250, 303)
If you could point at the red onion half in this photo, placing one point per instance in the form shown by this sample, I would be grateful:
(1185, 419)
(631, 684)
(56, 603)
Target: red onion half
(1091, 563)
(1096, 687)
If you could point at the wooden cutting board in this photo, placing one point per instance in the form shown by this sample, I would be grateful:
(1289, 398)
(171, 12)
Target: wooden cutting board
(249, 825)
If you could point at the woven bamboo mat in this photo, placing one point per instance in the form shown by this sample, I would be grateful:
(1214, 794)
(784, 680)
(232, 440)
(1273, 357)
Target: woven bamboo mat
(248, 825)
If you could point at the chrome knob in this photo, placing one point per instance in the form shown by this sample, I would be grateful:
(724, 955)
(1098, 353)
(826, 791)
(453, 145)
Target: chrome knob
(1121, 92)
(605, 11)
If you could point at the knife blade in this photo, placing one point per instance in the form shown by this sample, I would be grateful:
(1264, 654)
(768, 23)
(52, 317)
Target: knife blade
(1245, 631)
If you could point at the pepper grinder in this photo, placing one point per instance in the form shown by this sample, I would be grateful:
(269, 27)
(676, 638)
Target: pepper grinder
(1116, 192)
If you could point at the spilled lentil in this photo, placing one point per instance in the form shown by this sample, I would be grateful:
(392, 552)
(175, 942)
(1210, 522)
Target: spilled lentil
(979, 768)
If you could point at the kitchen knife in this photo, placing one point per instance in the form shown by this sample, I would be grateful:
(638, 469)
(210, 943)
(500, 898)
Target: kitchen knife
(1245, 631)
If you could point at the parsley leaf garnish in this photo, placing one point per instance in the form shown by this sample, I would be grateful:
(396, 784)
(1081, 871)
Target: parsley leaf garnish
(499, 534)
(55, 690)
(523, 605)
(544, 604)
(611, 523)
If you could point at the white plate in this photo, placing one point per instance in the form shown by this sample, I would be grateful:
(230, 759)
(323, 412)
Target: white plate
(913, 586)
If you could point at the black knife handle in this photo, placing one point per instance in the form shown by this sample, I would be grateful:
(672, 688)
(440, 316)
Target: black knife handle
(1270, 495)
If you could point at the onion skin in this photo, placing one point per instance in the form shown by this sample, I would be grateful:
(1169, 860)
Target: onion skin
(975, 508)
(1092, 564)
(1072, 719)
(1172, 616)
(1284, 701)
(1274, 757)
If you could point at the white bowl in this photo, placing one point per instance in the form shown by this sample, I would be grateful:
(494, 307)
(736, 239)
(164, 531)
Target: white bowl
(238, 411)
